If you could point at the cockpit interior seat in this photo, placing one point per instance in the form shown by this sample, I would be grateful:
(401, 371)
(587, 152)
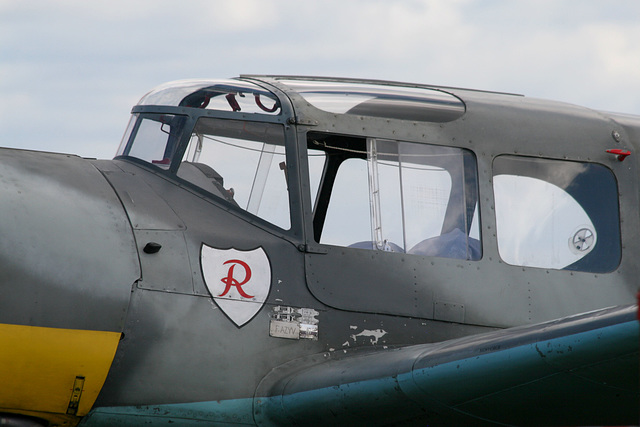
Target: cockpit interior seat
(206, 177)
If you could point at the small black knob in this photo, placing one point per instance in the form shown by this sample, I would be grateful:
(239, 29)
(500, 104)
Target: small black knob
(152, 248)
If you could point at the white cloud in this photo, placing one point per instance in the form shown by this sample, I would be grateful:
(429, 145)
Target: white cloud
(239, 16)
(82, 64)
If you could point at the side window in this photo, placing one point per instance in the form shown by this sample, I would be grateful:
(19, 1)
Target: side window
(556, 214)
(396, 196)
(241, 162)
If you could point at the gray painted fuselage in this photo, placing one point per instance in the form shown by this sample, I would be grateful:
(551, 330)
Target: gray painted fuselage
(73, 256)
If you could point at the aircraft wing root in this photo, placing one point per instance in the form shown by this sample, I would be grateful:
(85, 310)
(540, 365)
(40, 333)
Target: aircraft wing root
(574, 371)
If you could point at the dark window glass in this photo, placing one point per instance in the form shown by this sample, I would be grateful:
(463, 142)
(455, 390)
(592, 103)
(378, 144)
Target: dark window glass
(556, 214)
(396, 196)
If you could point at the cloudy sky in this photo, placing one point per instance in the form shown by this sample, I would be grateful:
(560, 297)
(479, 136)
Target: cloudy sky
(70, 70)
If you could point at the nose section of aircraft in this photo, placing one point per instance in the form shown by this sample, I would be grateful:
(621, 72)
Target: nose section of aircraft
(68, 261)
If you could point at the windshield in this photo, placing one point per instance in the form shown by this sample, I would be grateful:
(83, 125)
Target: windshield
(153, 138)
(241, 162)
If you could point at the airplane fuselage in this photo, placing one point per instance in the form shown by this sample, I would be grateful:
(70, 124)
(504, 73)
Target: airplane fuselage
(257, 226)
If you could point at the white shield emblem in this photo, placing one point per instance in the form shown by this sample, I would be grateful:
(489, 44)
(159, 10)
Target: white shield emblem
(239, 281)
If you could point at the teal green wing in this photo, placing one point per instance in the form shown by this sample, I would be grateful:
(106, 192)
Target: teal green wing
(580, 370)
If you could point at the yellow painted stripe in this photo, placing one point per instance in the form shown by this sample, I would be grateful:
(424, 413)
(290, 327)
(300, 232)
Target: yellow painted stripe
(38, 367)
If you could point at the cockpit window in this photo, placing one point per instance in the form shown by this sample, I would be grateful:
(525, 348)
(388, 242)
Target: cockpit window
(556, 214)
(153, 138)
(241, 162)
(396, 196)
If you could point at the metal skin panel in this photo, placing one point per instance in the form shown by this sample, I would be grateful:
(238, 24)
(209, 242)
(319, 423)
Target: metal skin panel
(168, 269)
(155, 222)
(499, 378)
(145, 208)
(67, 254)
(393, 283)
(68, 262)
(182, 338)
(399, 338)
(48, 360)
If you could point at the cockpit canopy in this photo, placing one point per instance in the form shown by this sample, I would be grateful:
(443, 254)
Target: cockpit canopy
(234, 139)
(377, 100)
(334, 96)
(228, 138)
(221, 95)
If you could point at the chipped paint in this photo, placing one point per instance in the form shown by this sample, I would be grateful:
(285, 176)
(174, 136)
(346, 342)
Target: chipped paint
(374, 335)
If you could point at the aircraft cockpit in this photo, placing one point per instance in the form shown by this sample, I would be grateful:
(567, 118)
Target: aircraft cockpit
(206, 133)
(402, 253)
(228, 138)
(356, 156)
